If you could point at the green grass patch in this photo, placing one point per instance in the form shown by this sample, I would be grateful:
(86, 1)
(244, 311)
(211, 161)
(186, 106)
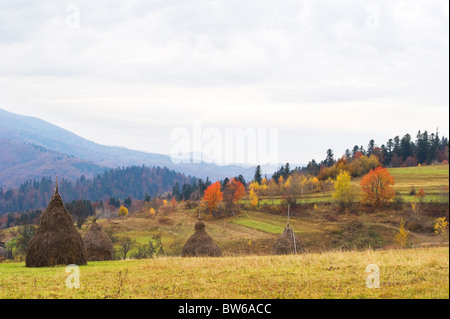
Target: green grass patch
(258, 225)
(430, 178)
(272, 224)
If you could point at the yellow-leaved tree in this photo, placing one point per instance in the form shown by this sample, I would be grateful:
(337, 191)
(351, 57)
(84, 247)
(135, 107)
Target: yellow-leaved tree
(281, 182)
(402, 236)
(288, 182)
(253, 198)
(262, 188)
(255, 186)
(440, 227)
(123, 211)
(345, 192)
(272, 188)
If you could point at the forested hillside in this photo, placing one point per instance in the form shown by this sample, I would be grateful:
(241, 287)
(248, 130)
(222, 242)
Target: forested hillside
(134, 181)
(397, 152)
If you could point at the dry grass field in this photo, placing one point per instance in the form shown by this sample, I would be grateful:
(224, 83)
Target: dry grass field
(410, 273)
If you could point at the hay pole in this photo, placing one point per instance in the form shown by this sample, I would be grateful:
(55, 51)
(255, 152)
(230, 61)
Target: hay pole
(289, 208)
(292, 231)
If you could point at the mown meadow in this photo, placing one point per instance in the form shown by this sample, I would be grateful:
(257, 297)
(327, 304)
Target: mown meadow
(408, 273)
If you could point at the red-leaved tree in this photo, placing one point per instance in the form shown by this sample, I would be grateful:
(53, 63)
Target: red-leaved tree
(233, 191)
(377, 187)
(238, 190)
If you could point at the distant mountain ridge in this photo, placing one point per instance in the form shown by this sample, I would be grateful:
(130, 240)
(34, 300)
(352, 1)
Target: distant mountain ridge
(21, 161)
(31, 147)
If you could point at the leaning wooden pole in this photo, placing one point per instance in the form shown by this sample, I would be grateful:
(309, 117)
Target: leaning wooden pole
(293, 235)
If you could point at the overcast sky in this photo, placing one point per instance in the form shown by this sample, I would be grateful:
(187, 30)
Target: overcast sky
(325, 73)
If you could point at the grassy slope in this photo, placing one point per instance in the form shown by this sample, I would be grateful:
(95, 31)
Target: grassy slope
(413, 273)
(434, 179)
(253, 232)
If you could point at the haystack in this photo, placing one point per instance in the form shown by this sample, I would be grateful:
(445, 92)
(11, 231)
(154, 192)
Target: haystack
(200, 244)
(288, 243)
(56, 242)
(98, 245)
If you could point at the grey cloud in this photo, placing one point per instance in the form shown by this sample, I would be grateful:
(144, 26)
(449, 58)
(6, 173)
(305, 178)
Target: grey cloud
(277, 53)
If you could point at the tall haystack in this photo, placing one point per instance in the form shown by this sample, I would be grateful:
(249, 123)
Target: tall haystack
(56, 242)
(200, 244)
(288, 242)
(99, 246)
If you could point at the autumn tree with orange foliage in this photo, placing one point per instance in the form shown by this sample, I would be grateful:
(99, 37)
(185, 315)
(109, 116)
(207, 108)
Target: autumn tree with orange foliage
(238, 190)
(377, 187)
(420, 195)
(173, 202)
(213, 196)
(232, 194)
(359, 166)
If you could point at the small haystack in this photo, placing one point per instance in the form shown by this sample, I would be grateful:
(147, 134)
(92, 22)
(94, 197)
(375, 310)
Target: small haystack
(288, 242)
(56, 242)
(200, 244)
(99, 246)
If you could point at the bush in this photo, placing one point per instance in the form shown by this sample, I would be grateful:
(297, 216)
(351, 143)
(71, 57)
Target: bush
(189, 204)
(398, 202)
(418, 222)
(421, 195)
(440, 227)
(166, 221)
(145, 251)
(126, 244)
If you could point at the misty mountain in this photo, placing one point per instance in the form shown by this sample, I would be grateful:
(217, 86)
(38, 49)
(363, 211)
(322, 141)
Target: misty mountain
(22, 161)
(31, 147)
